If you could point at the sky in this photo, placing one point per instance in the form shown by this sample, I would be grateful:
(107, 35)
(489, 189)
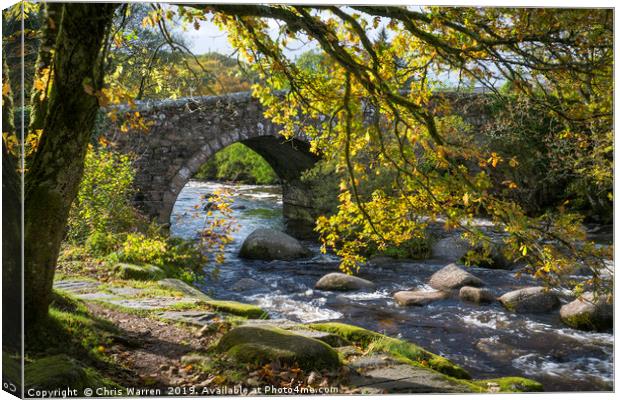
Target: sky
(209, 38)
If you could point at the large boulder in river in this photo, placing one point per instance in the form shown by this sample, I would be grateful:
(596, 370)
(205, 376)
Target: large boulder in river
(450, 248)
(264, 344)
(342, 282)
(418, 297)
(455, 248)
(453, 277)
(476, 295)
(270, 244)
(588, 313)
(530, 300)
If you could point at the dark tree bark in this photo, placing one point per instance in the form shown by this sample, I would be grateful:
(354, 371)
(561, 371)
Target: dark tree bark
(44, 66)
(11, 228)
(54, 174)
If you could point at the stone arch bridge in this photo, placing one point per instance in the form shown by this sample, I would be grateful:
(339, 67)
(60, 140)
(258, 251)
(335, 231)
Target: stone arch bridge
(183, 134)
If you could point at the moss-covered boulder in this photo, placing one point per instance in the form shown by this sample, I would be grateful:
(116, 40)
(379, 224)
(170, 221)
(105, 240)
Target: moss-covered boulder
(337, 281)
(240, 309)
(139, 272)
(270, 244)
(401, 349)
(453, 277)
(59, 372)
(511, 384)
(588, 313)
(530, 300)
(261, 345)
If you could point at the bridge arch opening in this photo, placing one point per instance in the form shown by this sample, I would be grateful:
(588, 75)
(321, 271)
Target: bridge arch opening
(184, 133)
(287, 158)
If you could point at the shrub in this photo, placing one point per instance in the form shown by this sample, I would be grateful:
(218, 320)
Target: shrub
(102, 243)
(179, 258)
(103, 203)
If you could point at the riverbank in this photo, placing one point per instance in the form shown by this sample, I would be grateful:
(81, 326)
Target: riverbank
(163, 334)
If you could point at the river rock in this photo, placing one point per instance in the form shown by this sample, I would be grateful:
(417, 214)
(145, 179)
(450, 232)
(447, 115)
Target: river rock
(453, 277)
(455, 248)
(476, 295)
(418, 297)
(262, 345)
(342, 282)
(529, 300)
(270, 244)
(588, 313)
(450, 248)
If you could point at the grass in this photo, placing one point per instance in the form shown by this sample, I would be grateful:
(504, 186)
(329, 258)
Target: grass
(76, 335)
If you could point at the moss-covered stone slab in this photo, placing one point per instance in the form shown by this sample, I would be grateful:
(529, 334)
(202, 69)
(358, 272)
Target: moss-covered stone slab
(145, 272)
(197, 318)
(76, 286)
(281, 323)
(401, 349)
(154, 303)
(510, 384)
(404, 378)
(374, 360)
(240, 309)
(178, 285)
(60, 372)
(331, 339)
(262, 345)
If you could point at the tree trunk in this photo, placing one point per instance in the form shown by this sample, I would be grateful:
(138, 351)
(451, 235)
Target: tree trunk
(11, 228)
(44, 66)
(56, 170)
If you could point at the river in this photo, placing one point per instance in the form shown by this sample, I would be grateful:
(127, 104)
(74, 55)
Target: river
(487, 340)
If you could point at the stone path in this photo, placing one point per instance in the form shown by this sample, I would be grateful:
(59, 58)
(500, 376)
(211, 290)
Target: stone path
(128, 297)
(373, 374)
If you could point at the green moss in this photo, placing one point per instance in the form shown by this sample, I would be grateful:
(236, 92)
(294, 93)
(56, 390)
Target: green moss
(512, 384)
(240, 309)
(587, 321)
(179, 286)
(60, 371)
(261, 345)
(349, 332)
(11, 367)
(139, 272)
(403, 350)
